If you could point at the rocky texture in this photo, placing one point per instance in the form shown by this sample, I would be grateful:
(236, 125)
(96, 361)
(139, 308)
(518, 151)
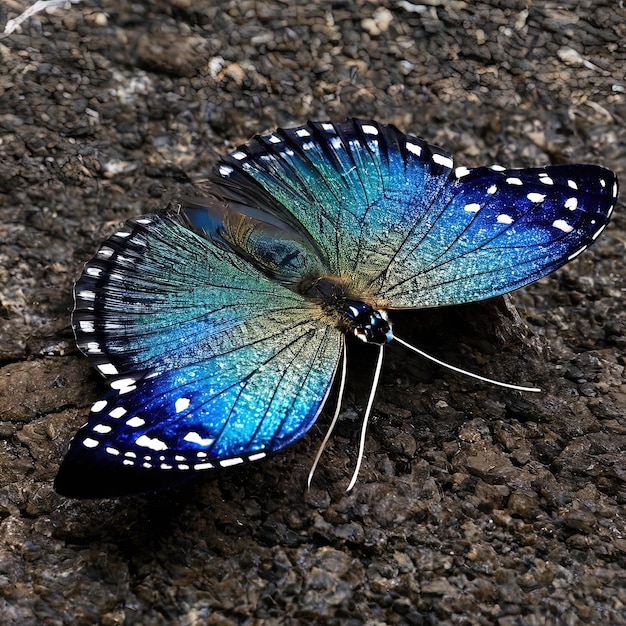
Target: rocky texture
(475, 505)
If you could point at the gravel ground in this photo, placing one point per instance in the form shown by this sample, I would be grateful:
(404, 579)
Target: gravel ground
(475, 505)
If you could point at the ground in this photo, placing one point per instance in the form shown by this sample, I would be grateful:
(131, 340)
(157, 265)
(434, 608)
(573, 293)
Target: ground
(475, 505)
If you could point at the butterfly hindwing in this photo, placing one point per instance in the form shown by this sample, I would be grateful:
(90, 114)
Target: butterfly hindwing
(209, 363)
(221, 413)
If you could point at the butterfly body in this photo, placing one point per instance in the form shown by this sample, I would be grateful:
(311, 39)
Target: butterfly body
(219, 328)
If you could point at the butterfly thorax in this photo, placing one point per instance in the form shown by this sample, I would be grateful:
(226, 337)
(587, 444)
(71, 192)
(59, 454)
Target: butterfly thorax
(345, 311)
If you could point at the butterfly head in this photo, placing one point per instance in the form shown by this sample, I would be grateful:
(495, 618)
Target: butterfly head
(368, 324)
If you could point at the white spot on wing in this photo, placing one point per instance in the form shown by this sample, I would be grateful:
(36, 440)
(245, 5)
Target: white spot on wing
(571, 203)
(572, 184)
(105, 253)
(257, 456)
(86, 326)
(124, 385)
(193, 437)
(513, 180)
(117, 412)
(274, 139)
(230, 462)
(562, 225)
(151, 442)
(98, 406)
(459, 172)
(225, 170)
(87, 295)
(303, 132)
(88, 442)
(414, 148)
(135, 422)
(473, 207)
(497, 168)
(202, 466)
(503, 218)
(103, 429)
(545, 179)
(443, 160)
(492, 189)
(368, 129)
(108, 369)
(239, 155)
(181, 404)
(112, 451)
(93, 271)
(536, 197)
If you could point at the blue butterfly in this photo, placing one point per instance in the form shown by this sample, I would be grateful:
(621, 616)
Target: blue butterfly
(220, 327)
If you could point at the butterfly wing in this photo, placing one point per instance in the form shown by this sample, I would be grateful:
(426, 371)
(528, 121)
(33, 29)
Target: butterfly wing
(354, 189)
(388, 211)
(209, 363)
(498, 230)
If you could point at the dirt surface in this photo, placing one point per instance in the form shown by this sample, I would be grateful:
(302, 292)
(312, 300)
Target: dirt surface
(475, 505)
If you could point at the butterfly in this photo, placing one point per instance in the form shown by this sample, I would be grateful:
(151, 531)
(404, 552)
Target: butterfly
(219, 326)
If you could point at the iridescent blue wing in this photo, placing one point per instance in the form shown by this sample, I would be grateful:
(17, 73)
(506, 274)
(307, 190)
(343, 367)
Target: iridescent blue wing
(498, 230)
(355, 189)
(389, 212)
(209, 362)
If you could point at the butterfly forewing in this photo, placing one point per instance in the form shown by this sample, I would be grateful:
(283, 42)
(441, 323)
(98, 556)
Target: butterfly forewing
(499, 230)
(388, 210)
(357, 188)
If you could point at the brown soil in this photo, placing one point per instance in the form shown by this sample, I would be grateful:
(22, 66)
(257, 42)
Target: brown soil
(475, 505)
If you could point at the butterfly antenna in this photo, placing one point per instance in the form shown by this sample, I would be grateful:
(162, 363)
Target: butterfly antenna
(379, 366)
(342, 385)
(461, 371)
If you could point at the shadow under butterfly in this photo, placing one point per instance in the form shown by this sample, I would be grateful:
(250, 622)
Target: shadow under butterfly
(220, 327)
